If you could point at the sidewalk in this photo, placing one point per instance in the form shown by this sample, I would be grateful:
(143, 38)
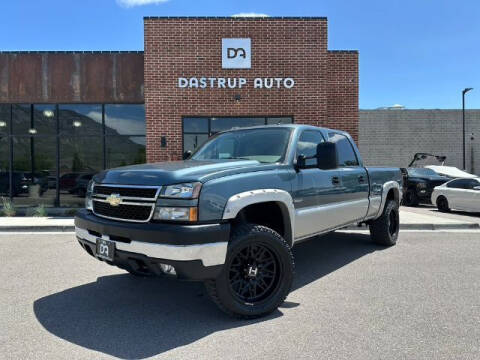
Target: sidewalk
(410, 219)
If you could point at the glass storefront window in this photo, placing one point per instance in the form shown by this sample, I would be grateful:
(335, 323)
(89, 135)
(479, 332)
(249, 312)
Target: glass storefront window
(224, 123)
(125, 150)
(33, 168)
(124, 119)
(44, 120)
(195, 125)
(197, 130)
(21, 119)
(4, 166)
(81, 119)
(80, 159)
(4, 118)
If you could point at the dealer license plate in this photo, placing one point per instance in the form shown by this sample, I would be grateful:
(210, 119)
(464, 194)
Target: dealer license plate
(105, 249)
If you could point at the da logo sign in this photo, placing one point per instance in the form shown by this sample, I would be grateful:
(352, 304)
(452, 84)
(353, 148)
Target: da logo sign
(236, 54)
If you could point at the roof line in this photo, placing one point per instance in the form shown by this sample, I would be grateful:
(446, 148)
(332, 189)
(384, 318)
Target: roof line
(237, 17)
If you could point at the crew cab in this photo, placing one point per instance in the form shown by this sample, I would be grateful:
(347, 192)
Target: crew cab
(230, 214)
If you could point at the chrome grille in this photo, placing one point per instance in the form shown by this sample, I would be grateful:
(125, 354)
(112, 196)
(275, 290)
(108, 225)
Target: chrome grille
(134, 203)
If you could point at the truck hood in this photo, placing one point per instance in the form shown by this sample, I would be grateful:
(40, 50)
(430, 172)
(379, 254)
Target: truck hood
(175, 172)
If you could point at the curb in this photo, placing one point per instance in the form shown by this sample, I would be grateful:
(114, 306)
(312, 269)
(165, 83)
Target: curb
(47, 228)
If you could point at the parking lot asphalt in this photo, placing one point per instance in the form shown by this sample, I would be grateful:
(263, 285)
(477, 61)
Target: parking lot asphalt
(350, 300)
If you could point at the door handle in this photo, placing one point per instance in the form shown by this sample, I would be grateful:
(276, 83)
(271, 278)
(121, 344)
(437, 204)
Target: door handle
(361, 179)
(335, 180)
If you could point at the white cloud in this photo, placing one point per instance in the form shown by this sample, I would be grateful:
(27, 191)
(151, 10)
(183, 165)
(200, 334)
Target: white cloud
(132, 3)
(250, 14)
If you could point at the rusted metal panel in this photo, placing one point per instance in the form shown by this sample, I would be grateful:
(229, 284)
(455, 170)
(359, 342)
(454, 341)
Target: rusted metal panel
(25, 77)
(71, 77)
(129, 77)
(63, 78)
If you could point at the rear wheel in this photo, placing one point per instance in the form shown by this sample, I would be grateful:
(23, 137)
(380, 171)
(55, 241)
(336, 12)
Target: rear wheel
(442, 204)
(257, 275)
(385, 229)
(410, 198)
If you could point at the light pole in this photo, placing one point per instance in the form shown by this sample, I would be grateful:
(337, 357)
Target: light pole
(464, 91)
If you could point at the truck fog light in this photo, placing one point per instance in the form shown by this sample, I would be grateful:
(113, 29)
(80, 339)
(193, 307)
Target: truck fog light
(168, 269)
(176, 213)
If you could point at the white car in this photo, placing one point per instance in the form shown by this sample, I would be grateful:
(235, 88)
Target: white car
(458, 194)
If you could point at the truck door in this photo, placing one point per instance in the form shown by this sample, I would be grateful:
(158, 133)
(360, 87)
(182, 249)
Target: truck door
(354, 179)
(315, 191)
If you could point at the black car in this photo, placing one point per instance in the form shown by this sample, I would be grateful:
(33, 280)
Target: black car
(419, 184)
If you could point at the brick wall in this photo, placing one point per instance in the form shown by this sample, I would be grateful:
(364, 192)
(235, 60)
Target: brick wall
(342, 90)
(392, 137)
(281, 47)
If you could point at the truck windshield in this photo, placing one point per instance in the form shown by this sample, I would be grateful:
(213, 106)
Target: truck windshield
(266, 145)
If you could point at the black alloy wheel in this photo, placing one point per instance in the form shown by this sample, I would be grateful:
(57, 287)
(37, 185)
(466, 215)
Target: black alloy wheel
(257, 275)
(253, 273)
(393, 222)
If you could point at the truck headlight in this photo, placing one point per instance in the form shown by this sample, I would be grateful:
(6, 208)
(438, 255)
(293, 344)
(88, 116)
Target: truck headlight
(184, 191)
(176, 213)
(88, 196)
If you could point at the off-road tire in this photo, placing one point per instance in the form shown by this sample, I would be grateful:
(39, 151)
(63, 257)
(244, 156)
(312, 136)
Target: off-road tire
(221, 289)
(384, 230)
(442, 204)
(410, 198)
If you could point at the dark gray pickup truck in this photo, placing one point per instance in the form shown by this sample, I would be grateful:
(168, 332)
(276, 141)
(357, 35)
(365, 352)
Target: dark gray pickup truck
(230, 214)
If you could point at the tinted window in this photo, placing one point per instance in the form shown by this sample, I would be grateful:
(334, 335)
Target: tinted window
(307, 145)
(195, 125)
(44, 120)
(133, 150)
(346, 154)
(81, 119)
(222, 124)
(460, 184)
(125, 119)
(22, 119)
(4, 118)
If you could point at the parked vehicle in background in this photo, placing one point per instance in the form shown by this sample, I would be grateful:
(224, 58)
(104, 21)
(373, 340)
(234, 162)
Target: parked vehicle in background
(419, 184)
(52, 182)
(20, 183)
(68, 181)
(230, 214)
(81, 183)
(458, 194)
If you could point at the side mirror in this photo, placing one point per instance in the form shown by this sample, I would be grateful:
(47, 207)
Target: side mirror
(187, 154)
(301, 163)
(327, 156)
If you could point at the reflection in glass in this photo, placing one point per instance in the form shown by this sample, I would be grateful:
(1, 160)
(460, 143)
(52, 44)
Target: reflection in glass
(4, 166)
(279, 120)
(195, 125)
(124, 119)
(80, 159)
(44, 120)
(222, 124)
(4, 118)
(81, 119)
(33, 164)
(21, 119)
(125, 150)
(191, 142)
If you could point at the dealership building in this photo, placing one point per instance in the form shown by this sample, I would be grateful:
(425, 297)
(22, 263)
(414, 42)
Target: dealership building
(67, 115)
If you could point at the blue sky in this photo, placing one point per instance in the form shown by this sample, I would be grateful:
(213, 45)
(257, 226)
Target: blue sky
(418, 53)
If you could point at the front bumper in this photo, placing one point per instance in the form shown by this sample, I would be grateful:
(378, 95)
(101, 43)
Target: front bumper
(197, 252)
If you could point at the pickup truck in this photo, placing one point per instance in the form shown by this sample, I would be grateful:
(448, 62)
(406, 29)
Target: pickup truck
(230, 214)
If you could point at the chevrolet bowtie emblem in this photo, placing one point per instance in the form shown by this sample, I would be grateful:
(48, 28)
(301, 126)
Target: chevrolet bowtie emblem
(114, 199)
